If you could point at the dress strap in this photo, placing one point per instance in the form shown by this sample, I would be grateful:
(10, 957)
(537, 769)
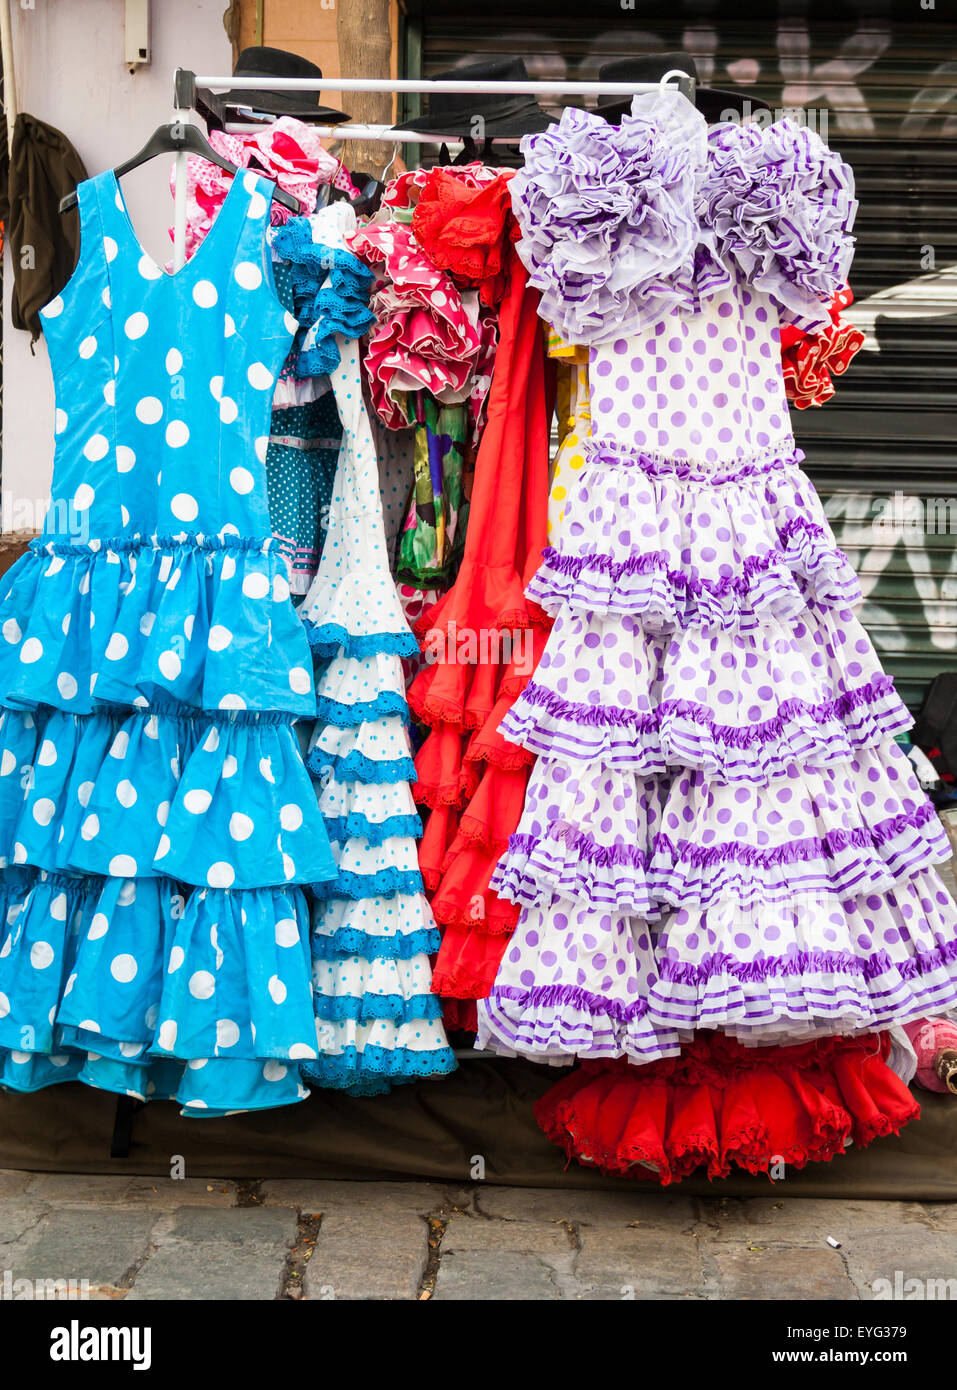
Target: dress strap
(70, 318)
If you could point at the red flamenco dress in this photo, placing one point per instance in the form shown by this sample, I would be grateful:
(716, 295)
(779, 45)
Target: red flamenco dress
(483, 639)
(721, 1104)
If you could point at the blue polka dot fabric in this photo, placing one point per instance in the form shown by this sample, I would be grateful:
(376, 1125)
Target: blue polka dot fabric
(157, 820)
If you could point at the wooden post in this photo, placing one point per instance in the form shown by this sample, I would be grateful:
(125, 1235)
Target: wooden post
(364, 36)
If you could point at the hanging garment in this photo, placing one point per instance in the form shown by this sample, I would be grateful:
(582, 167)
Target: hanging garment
(288, 152)
(395, 450)
(482, 642)
(573, 407)
(810, 360)
(427, 334)
(720, 831)
(327, 290)
(157, 815)
(721, 1105)
(432, 537)
(378, 1022)
(41, 169)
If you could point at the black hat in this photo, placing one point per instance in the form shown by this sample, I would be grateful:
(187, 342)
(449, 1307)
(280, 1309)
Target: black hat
(651, 67)
(276, 62)
(501, 113)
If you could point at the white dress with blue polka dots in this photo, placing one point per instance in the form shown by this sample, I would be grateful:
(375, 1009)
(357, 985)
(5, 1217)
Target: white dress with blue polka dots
(156, 815)
(378, 1021)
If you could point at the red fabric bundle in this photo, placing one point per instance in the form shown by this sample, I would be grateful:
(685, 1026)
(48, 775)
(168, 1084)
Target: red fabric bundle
(467, 231)
(721, 1104)
(810, 360)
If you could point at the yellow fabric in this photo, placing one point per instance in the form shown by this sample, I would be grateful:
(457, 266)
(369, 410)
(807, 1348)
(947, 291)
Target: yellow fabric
(565, 352)
(574, 427)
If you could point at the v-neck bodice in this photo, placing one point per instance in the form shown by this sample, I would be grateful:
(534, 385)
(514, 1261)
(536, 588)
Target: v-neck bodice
(164, 381)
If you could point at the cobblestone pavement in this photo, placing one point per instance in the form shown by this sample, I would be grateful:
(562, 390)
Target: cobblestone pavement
(145, 1238)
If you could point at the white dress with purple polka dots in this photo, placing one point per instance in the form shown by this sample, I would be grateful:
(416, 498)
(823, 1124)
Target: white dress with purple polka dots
(720, 831)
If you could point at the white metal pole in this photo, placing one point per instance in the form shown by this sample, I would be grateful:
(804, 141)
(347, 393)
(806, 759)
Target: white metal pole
(9, 75)
(423, 87)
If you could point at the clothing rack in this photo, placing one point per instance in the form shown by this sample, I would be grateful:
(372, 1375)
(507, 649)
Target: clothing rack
(187, 84)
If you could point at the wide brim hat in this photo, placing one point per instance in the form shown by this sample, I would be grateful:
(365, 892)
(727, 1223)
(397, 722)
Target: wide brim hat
(500, 113)
(712, 102)
(276, 62)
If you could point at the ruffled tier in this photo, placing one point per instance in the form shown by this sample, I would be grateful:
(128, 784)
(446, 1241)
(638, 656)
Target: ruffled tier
(375, 752)
(469, 960)
(381, 1055)
(377, 1022)
(382, 928)
(373, 811)
(742, 706)
(200, 620)
(135, 980)
(583, 835)
(354, 690)
(221, 799)
(443, 778)
(470, 666)
(352, 608)
(677, 544)
(721, 1106)
(845, 830)
(464, 894)
(386, 989)
(586, 996)
(815, 965)
(613, 840)
(367, 870)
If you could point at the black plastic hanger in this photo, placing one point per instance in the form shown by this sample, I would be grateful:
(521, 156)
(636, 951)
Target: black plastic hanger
(177, 138)
(370, 197)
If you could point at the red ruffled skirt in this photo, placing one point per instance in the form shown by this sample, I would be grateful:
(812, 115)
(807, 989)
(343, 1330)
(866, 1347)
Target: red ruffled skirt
(722, 1105)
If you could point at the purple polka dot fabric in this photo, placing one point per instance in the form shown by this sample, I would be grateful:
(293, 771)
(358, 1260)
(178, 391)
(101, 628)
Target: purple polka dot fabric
(720, 831)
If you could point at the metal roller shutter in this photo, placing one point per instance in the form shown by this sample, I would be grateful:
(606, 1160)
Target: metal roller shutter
(882, 452)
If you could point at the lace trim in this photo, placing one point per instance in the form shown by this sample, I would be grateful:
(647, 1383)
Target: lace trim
(385, 883)
(350, 941)
(363, 711)
(357, 826)
(330, 639)
(356, 767)
(370, 1008)
(354, 1070)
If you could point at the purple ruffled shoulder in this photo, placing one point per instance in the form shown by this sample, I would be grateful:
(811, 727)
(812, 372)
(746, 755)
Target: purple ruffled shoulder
(776, 204)
(607, 217)
(622, 224)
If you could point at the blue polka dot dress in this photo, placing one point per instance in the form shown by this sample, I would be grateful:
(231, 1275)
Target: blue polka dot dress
(378, 1022)
(156, 815)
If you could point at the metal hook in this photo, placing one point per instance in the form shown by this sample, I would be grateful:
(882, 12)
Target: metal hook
(666, 79)
(395, 155)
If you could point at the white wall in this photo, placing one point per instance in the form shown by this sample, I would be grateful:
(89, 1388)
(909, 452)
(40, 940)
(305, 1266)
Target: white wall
(70, 72)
